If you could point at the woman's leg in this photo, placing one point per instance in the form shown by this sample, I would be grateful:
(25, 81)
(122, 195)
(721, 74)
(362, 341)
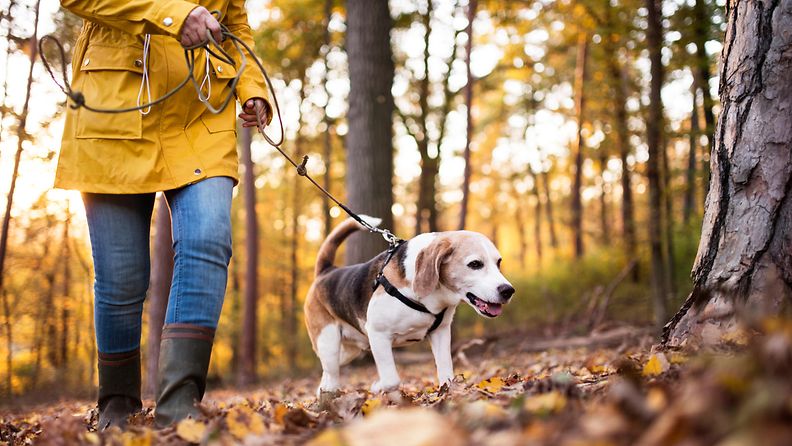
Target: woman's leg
(201, 217)
(119, 229)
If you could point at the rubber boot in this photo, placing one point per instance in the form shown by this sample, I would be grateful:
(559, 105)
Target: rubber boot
(119, 388)
(185, 351)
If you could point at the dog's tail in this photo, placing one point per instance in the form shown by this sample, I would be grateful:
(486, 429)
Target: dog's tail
(327, 251)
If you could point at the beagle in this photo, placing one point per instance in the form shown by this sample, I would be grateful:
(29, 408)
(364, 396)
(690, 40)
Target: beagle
(424, 279)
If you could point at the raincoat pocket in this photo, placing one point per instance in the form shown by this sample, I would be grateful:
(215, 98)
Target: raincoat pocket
(224, 121)
(110, 78)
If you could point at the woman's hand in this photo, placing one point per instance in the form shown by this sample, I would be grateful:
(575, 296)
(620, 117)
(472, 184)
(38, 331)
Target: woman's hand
(249, 108)
(195, 25)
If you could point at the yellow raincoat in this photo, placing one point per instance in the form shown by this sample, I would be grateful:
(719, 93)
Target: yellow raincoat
(179, 141)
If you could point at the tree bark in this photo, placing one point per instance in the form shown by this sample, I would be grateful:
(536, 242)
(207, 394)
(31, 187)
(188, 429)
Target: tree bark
(472, 6)
(743, 269)
(159, 289)
(369, 142)
(247, 357)
(581, 74)
(549, 209)
(654, 126)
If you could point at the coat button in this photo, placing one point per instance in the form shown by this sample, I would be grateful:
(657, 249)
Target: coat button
(138, 63)
(197, 171)
(87, 61)
(167, 21)
(219, 69)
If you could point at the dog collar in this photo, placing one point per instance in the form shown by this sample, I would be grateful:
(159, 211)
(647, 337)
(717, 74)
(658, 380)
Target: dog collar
(417, 306)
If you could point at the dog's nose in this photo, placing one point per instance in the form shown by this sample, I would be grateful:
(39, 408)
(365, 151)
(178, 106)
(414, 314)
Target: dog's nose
(506, 291)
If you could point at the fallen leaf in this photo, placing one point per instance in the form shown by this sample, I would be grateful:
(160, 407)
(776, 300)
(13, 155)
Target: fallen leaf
(190, 430)
(656, 365)
(492, 385)
(545, 403)
(243, 421)
(371, 405)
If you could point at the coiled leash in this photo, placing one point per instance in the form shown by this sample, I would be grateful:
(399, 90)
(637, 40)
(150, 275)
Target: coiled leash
(213, 48)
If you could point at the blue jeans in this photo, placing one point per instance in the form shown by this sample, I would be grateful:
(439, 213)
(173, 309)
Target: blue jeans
(119, 226)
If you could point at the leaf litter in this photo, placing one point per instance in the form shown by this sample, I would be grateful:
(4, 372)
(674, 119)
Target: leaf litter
(626, 395)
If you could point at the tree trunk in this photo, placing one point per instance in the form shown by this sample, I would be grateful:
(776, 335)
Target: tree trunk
(328, 139)
(369, 142)
(427, 178)
(581, 74)
(247, 366)
(619, 89)
(604, 220)
(654, 126)
(702, 23)
(21, 135)
(9, 359)
(63, 353)
(689, 207)
(537, 214)
(743, 270)
(549, 209)
(159, 289)
(9, 48)
(472, 6)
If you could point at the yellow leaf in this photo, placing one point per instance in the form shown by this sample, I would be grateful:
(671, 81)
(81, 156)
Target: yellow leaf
(330, 437)
(545, 403)
(371, 405)
(243, 421)
(280, 412)
(191, 430)
(656, 365)
(131, 439)
(91, 438)
(492, 385)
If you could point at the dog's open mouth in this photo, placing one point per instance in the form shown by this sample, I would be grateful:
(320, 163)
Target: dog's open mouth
(489, 309)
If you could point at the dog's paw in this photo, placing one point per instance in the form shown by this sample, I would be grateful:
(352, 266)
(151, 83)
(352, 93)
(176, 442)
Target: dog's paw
(386, 387)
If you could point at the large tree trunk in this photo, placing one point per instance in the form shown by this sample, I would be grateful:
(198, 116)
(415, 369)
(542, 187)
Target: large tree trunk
(247, 357)
(159, 289)
(654, 126)
(744, 263)
(577, 188)
(472, 5)
(369, 142)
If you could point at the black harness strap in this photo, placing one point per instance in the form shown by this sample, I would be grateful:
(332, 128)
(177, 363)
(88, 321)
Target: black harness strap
(393, 291)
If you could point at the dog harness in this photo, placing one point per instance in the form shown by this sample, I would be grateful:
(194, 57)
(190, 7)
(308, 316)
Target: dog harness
(393, 291)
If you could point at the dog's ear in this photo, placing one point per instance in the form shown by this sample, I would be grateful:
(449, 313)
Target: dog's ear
(427, 266)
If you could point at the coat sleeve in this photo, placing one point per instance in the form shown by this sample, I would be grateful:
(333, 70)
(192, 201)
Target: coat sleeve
(252, 83)
(164, 17)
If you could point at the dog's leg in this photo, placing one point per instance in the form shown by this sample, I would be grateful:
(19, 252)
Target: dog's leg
(441, 349)
(382, 350)
(328, 348)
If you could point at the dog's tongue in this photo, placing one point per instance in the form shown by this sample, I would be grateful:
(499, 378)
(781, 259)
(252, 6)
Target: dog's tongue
(489, 308)
(495, 309)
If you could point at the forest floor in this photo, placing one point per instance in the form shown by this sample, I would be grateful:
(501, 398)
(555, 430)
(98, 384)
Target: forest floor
(608, 388)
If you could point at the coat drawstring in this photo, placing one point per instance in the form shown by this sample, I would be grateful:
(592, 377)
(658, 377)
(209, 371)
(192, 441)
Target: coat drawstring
(144, 81)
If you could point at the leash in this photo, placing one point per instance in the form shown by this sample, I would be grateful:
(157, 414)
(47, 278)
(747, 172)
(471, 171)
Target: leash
(213, 48)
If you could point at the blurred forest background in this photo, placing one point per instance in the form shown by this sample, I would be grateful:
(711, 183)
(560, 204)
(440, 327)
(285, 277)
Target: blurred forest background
(539, 132)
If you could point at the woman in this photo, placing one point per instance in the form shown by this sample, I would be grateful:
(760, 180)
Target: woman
(130, 52)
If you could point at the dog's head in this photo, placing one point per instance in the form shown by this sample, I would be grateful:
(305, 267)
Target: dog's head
(468, 264)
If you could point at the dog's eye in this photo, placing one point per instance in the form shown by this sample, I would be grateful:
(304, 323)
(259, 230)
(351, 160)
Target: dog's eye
(499, 262)
(476, 264)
